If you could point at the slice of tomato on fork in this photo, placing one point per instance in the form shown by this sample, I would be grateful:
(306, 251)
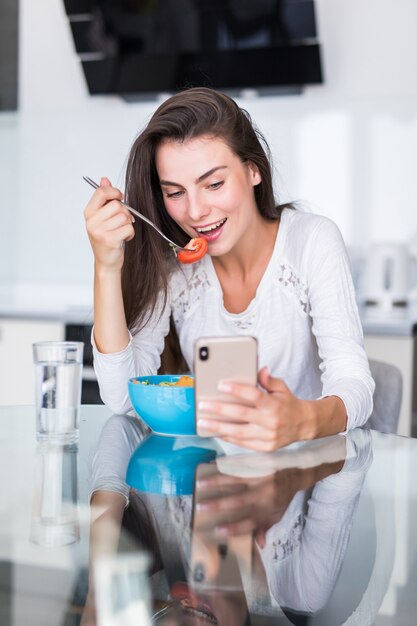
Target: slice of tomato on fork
(193, 251)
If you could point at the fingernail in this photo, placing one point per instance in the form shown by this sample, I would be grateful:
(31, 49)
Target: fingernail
(222, 386)
(203, 405)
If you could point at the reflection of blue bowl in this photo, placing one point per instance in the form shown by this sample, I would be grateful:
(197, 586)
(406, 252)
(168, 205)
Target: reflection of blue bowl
(166, 410)
(157, 467)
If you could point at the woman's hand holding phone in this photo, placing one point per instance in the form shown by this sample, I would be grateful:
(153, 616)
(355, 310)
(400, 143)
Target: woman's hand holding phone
(262, 418)
(255, 411)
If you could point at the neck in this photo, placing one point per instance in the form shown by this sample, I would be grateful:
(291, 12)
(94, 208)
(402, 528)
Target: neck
(253, 250)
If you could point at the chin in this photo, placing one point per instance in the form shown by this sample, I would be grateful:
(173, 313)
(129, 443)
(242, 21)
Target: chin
(219, 247)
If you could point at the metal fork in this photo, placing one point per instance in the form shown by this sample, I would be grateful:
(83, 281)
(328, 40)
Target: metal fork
(174, 245)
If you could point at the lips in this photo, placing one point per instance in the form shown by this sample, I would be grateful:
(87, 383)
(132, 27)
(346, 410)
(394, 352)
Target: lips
(211, 231)
(193, 604)
(203, 230)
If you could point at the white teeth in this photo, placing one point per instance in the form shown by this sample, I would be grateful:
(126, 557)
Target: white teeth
(207, 229)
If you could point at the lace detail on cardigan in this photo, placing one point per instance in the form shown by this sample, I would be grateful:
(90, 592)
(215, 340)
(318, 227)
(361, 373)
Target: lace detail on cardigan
(290, 280)
(190, 294)
(180, 512)
(284, 547)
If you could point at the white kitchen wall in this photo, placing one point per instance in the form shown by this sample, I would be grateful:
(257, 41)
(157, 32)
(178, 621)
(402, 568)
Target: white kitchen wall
(348, 149)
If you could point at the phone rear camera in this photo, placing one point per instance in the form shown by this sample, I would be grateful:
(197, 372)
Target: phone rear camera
(204, 353)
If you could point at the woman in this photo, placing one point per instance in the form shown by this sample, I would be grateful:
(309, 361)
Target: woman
(200, 169)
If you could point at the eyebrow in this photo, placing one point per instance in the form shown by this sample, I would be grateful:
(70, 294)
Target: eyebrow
(169, 183)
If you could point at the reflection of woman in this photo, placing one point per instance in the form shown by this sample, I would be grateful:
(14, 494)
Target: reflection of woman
(297, 503)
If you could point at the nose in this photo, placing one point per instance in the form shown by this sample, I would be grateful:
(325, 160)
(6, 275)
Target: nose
(197, 208)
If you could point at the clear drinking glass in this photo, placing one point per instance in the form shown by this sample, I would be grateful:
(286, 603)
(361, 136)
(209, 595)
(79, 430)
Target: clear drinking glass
(58, 376)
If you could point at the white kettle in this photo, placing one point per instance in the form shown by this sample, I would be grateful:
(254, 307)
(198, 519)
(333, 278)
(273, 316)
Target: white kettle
(387, 277)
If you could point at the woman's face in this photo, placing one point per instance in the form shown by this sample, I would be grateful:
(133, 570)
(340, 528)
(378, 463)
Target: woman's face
(208, 191)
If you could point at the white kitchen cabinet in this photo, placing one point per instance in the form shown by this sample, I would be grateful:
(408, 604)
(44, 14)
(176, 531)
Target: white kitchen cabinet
(400, 351)
(17, 379)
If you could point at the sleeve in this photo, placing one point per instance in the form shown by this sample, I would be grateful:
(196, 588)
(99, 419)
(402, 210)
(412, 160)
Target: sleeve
(304, 580)
(119, 438)
(336, 324)
(141, 357)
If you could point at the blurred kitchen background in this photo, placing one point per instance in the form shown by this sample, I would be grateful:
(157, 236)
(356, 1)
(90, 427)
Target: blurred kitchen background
(344, 145)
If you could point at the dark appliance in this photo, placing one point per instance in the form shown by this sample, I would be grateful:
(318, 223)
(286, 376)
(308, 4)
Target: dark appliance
(89, 389)
(140, 48)
(9, 55)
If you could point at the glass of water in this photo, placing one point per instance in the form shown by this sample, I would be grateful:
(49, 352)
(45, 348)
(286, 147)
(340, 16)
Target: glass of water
(58, 376)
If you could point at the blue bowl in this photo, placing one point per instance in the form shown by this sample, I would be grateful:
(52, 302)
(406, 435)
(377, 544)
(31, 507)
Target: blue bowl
(166, 410)
(159, 466)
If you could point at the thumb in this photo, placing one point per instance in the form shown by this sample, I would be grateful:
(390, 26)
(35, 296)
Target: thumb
(270, 383)
(104, 182)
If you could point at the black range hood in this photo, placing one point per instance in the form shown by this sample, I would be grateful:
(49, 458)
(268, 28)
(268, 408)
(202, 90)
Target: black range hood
(139, 48)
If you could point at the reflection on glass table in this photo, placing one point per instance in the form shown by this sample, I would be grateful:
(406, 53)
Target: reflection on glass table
(322, 533)
(253, 524)
(55, 515)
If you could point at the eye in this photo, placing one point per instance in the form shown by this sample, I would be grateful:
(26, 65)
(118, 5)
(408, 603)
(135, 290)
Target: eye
(216, 185)
(175, 194)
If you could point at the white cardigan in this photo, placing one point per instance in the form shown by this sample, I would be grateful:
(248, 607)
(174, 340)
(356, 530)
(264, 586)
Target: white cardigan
(304, 316)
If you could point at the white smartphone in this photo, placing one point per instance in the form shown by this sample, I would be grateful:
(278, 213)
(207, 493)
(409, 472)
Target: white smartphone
(233, 359)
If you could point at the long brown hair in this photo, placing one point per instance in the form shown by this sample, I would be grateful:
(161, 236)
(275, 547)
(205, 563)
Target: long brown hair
(188, 114)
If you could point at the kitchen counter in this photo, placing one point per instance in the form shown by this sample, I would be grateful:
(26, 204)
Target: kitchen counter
(31, 313)
(74, 305)
(67, 315)
(399, 323)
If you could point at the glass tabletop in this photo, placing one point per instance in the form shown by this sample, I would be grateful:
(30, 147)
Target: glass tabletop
(126, 524)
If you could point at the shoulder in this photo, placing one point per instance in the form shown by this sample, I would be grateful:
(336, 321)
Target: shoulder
(305, 225)
(310, 245)
(307, 231)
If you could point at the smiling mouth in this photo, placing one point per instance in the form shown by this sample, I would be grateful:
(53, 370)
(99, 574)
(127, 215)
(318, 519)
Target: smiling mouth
(211, 227)
(201, 612)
